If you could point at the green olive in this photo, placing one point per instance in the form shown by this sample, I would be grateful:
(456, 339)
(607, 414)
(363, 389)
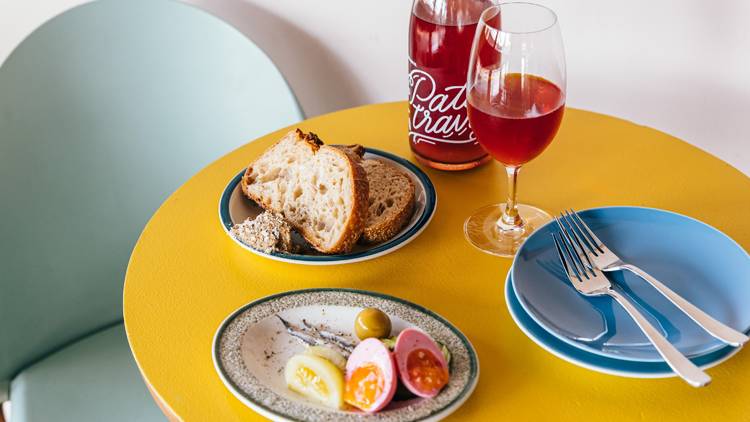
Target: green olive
(371, 322)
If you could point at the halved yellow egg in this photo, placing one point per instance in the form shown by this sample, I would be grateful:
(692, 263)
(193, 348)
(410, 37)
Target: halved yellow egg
(315, 378)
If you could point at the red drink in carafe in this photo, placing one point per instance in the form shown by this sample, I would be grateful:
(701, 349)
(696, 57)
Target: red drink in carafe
(441, 34)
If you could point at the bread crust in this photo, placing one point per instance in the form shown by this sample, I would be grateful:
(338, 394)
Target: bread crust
(386, 229)
(356, 149)
(360, 195)
(355, 224)
(382, 232)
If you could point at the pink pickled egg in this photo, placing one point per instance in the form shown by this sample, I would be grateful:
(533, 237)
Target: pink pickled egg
(421, 365)
(370, 381)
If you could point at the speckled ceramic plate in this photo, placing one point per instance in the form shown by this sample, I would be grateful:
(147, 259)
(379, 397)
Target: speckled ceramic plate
(234, 208)
(251, 348)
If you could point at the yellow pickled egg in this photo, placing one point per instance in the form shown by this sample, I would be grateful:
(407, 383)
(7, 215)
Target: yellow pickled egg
(315, 378)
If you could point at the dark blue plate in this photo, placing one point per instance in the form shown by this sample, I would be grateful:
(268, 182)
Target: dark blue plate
(234, 208)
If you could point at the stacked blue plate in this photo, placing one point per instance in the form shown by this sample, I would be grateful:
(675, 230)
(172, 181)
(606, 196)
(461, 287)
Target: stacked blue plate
(700, 263)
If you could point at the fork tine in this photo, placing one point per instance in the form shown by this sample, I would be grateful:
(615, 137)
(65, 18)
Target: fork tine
(576, 240)
(572, 247)
(566, 247)
(594, 270)
(598, 243)
(573, 258)
(564, 260)
(576, 229)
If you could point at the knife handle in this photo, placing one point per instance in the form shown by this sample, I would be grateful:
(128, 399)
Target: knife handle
(715, 328)
(681, 365)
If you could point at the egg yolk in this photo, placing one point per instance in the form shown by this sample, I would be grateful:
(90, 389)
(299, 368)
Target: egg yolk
(425, 370)
(364, 386)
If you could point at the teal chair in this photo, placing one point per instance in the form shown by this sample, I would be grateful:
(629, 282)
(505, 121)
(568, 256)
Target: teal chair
(104, 111)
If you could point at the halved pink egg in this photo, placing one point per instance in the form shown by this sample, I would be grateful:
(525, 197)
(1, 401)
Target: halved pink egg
(370, 381)
(421, 365)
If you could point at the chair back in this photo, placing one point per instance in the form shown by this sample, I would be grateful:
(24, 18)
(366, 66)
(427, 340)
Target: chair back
(104, 111)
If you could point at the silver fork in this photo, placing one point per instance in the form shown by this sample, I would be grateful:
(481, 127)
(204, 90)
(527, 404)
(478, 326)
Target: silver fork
(589, 281)
(606, 260)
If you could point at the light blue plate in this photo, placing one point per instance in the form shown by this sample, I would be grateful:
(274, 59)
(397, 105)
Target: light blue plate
(695, 260)
(234, 208)
(593, 361)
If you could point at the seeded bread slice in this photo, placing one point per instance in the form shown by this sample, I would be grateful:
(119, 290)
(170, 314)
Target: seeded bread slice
(391, 201)
(320, 190)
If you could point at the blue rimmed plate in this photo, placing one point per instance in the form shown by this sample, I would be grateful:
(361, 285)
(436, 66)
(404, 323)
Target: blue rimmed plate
(234, 208)
(595, 362)
(695, 260)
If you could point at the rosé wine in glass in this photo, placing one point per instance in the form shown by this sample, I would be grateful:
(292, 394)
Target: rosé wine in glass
(517, 130)
(516, 85)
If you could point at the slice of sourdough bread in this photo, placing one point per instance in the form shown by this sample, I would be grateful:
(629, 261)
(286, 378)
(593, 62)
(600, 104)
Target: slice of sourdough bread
(320, 190)
(391, 201)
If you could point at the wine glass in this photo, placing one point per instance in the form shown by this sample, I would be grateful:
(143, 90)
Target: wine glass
(515, 102)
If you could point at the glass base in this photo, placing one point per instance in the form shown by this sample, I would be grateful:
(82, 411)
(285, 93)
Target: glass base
(452, 166)
(483, 232)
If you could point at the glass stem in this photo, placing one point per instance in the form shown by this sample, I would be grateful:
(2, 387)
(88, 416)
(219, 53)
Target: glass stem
(510, 219)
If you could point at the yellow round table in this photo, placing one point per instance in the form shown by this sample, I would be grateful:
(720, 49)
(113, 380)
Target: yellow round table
(186, 275)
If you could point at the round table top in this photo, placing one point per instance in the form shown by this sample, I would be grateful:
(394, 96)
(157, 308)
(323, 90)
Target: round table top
(186, 275)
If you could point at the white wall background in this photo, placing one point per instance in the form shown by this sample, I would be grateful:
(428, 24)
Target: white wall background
(679, 66)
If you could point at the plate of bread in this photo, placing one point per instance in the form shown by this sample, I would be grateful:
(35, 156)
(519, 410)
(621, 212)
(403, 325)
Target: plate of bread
(305, 202)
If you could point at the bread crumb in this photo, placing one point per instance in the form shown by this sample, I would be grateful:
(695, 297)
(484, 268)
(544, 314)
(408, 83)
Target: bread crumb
(268, 232)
